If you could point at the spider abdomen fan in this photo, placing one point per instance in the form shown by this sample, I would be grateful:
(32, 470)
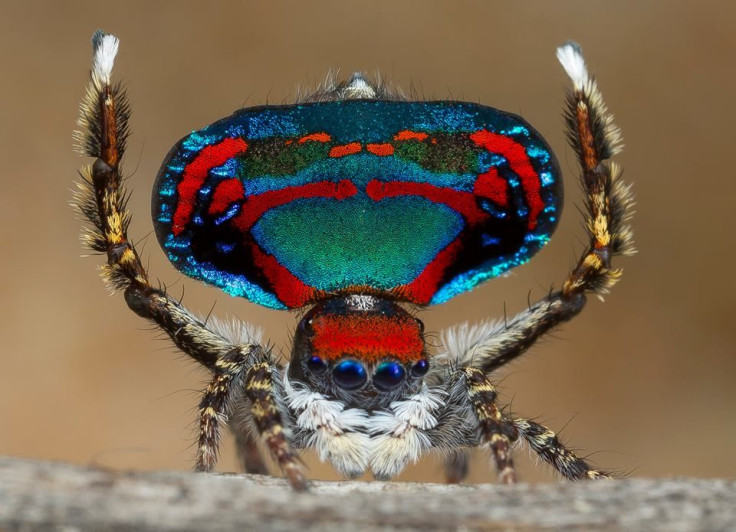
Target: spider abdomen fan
(414, 201)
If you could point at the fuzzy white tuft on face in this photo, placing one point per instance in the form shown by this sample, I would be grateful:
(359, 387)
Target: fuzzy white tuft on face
(399, 435)
(336, 433)
(354, 439)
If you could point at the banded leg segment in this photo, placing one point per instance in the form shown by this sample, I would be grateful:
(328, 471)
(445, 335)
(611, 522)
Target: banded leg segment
(547, 445)
(496, 431)
(259, 388)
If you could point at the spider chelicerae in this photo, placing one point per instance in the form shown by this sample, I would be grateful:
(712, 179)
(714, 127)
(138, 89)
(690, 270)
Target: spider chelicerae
(358, 206)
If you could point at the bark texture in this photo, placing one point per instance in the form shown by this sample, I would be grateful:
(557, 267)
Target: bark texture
(36, 495)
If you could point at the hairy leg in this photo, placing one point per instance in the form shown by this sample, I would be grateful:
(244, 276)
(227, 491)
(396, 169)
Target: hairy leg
(547, 445)
(499, 432)
(259, 388)
(595, 139)
(495, 430)
(216, 404)
(101, 199)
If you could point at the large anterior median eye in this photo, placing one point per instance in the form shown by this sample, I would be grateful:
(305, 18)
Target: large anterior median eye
(349, 375)
(388, 376)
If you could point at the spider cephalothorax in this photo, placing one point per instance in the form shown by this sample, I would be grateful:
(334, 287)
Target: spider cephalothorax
(364, 350)
(357, 205)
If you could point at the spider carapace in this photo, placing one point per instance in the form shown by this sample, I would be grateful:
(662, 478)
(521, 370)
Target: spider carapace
(358, 206)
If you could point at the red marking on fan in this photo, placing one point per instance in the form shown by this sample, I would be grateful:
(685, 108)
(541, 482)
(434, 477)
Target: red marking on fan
(410, 135)
(461, 202)
(345, 149)
(316, 137)
(288, 288)
(382, 150)
(520, 164)
(195, 174)
(255, 206)
(423, 288)
(490, 185)
(226, 193)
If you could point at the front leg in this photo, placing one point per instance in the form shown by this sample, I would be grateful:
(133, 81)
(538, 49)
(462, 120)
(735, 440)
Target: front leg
(547, 445)
(101, 200)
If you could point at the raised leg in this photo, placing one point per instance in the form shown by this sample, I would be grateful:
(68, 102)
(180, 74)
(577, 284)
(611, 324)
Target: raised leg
(595, 139)
(101, 199)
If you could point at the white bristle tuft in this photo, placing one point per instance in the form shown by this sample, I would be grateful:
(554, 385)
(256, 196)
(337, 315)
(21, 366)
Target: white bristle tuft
(570, 55)
(359, 87)
(105, 48)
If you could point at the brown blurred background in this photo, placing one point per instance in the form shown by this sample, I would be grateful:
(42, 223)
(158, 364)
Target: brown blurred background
(646, 379)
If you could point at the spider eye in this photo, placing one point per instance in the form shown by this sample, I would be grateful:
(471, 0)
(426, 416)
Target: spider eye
(388, 376)
(420, 368)
(349, 375)
(316, 365)
(305, 325)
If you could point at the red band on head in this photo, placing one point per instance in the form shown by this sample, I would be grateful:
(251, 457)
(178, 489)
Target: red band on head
(367, 337)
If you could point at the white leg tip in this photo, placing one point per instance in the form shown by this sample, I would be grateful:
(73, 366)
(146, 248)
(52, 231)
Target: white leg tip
(104, 48)
(570, 55)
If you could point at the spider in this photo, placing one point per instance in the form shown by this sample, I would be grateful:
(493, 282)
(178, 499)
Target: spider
(358, 207)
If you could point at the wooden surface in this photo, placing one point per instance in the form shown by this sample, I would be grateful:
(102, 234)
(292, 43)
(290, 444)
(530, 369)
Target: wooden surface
(37, 495)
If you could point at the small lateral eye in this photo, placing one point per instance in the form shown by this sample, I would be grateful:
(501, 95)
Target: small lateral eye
(304, 326)
(349, 375)
(316, 365)
(420, 368)
(388, 376)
